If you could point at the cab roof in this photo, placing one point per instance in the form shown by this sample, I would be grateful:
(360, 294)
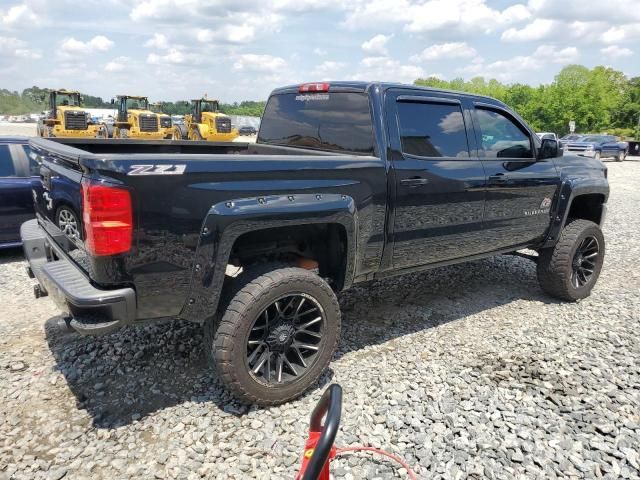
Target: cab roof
(362, 86)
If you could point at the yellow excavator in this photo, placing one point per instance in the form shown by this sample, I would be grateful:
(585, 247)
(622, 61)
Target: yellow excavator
(206, 123)
(135, 120)
(165, 120)
(66, 117)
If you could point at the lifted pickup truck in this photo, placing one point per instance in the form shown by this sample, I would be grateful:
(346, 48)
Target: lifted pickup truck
(347, 182)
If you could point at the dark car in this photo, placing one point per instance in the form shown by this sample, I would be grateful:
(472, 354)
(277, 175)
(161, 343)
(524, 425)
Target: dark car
(247, 130)
(17, 174)
(347, 182)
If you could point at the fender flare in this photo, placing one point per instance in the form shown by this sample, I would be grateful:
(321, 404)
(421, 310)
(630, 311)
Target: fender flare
(568, 191)
(226, 221)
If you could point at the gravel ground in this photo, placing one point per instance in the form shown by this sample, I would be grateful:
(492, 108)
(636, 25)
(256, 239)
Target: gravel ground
(466, 371)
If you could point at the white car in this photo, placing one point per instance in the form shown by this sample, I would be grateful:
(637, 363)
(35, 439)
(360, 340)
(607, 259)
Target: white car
(551, 135)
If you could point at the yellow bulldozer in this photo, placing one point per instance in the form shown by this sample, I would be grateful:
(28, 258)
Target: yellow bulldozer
(66, 117)
(135, 120)
(165, 120)
(206, 123)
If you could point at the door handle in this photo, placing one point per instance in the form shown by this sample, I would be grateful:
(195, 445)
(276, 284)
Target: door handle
(497, 178)
(414, 182)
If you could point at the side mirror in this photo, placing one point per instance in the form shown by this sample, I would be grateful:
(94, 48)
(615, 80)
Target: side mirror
(549, 149)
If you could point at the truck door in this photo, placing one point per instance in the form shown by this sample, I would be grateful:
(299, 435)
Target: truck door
(439, 185)
(520, 189)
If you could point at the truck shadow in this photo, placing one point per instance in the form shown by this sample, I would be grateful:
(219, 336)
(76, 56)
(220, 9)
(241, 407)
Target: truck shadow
(134, 372)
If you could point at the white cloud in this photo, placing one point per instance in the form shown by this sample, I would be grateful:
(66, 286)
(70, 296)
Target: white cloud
(174, 56)
(539, 29)
(259, 63)
(386, 69)
(159, 40)
(621, 33)
(610, 11)
(549, 53)
(614, 51)
(18, 15)
(448, 16)
(240, 34)
(14, 47)
(118, 64)
(377, 45)
(99, 43)
(321, 52)
(445, 51)
(328, 68)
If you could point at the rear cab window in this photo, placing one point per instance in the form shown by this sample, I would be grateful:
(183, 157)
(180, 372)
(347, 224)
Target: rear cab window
(329, 121)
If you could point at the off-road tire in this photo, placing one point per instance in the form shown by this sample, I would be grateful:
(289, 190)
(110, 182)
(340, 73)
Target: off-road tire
(102, 132)
(226, 335)
(123, 133)
(597, 156)
(555, 264)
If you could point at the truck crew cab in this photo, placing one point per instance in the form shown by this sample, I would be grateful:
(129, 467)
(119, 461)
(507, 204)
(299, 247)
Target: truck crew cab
(347, 182)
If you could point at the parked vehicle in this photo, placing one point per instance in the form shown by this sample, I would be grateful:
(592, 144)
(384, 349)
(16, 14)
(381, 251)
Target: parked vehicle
(206, 123)
(135, 119)
(166, 125)
(66, 117)
(543, 135)
(598, 146)
(347, 182)
(570, 137)
(17, 174)
(247, 130)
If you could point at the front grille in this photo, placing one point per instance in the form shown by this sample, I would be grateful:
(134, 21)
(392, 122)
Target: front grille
(75, 120)
(223, 124)
(165, 122)
(148, 123)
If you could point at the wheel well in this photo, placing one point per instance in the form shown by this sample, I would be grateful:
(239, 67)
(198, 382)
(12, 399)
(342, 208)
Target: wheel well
(321, 246)
(587, 207)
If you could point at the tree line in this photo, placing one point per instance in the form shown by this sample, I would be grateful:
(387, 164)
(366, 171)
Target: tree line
(34, 100)
(599, 100)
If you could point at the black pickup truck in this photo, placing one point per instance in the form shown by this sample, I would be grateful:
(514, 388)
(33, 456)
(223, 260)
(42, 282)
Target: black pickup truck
(347, 182)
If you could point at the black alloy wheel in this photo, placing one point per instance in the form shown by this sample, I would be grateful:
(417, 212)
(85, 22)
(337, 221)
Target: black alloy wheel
(285, 339)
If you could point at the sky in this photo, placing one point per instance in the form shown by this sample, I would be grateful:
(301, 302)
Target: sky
(237, 50)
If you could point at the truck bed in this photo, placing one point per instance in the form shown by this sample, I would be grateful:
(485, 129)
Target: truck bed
(135, 146)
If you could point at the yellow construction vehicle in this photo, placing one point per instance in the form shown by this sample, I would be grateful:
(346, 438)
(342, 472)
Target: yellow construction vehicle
(135, 120)
(65, 117)
(165, 120)
(206, 123)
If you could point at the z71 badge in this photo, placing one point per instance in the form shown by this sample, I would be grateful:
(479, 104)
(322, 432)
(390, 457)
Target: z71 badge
(169, 169)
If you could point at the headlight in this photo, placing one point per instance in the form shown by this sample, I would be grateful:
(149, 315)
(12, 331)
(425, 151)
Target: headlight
(589, 147)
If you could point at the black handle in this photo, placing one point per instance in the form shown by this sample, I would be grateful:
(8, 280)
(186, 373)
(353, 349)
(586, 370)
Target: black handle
(414, 181)
(331, 404)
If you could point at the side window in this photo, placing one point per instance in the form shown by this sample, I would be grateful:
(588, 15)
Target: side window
(432, 130)
(7, 169)
(501, 138)
(34, 166)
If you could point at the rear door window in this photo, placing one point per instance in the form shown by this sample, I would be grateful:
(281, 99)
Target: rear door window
(432, 129)
(7, 168)
(501, 137)
(333, 121)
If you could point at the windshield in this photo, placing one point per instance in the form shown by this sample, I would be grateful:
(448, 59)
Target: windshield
(137, 104)
(67, 99)
(339, 122)
(209, 106)
(596, 138)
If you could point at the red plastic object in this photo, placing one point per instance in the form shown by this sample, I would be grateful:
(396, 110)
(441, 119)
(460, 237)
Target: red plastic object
(309, 446)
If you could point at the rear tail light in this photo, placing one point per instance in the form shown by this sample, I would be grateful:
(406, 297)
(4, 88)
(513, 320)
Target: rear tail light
(313, 87)
(107, 217)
